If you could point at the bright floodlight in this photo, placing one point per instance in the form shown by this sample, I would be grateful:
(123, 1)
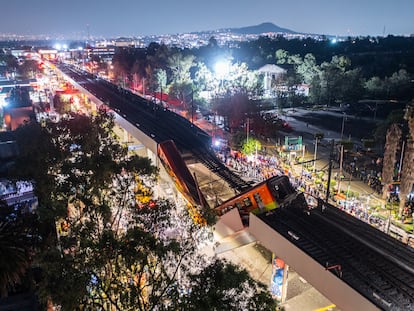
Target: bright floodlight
(3, 102)
(221, 68)
(65, 46)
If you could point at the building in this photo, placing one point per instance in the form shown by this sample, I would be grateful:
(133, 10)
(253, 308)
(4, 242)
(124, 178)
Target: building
(271, 73)
(18, 108)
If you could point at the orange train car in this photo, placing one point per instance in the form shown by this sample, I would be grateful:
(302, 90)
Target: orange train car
(184, 181)
(265, 196)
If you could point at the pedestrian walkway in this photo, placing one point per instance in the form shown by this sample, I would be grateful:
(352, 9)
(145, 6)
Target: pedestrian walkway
(241, 249)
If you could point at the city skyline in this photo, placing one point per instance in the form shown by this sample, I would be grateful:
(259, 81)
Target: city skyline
(105, 18)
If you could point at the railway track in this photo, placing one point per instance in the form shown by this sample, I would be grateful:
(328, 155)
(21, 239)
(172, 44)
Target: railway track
(159, 123)
(374, 264)
(209, 159)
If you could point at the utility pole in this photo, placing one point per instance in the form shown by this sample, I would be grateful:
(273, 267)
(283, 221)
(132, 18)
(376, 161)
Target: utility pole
(341, 159)
(329, 171)
(303, 159)
(247, 130)
(143, 87)
(401, 160)
(343, 125)
(314, 155)
(192, 105)
(318, 136)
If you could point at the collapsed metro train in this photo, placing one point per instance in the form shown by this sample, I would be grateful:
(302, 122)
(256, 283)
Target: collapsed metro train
(185, 182)
(265, 196)
(262, 197)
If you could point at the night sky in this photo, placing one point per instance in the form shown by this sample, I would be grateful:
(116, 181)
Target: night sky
(110, 18)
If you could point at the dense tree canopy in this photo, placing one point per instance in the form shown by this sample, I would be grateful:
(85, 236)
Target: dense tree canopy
(343, 72)
(18, 240)
(108, 243)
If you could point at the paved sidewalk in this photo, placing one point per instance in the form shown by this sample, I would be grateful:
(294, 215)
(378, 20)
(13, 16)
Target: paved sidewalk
(242, 249)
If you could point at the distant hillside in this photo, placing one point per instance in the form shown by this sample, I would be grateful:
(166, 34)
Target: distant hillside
(258, 29)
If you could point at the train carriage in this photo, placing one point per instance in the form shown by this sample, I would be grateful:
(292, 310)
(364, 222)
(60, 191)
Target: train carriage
(265, 196)
(184, 181)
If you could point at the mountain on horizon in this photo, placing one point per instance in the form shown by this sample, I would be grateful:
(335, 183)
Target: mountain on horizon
(258, 29)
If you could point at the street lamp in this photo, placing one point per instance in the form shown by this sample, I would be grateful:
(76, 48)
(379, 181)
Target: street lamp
(192, 105)
(343, 125)
(247, 130)
(314, 155)
(341, 159)
(221, 70)
(349, 185)
(401, 160)
(318, 136)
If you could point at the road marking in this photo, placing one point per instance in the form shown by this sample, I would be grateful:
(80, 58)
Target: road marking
(330, 307)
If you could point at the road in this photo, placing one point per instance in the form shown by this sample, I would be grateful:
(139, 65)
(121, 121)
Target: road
(308, 123)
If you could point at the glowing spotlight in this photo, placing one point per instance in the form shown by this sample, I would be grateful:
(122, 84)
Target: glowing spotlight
(222, 68)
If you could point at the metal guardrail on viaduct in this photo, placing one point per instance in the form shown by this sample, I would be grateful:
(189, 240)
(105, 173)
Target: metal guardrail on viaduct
(158, 123)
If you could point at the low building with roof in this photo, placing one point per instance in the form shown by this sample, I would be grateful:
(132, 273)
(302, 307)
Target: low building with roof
(271, 73)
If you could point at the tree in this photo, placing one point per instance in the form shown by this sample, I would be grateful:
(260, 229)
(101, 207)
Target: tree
(395, 116)
(122, 62)
(375, 88)
(181, 85)
(160, 77)
(61, 104)
(234, 109)
(204, 79)
(352, 86)
(212, 42)
(28, 69)
(17, 243)
(180, 66)
(10, 62)
(281, 57)
(251, 146)
(241, 80)
(392, 145)
(286, 89)
(149, 67)
(116, 249)
(407, 173)
(183, 92)
(326, 87)
(308, 69)
(223, 285)
(400, 85)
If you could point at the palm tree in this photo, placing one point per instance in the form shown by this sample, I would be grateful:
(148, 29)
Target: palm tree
(14, 249)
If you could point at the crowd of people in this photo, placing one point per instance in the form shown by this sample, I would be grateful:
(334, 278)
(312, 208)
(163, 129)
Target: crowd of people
(261, 167)
(364, 167)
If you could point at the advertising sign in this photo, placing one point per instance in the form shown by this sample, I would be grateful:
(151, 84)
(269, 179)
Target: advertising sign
(278, 283)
